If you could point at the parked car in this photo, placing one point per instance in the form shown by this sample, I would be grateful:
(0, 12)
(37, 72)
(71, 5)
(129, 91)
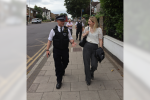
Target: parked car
(36, 20)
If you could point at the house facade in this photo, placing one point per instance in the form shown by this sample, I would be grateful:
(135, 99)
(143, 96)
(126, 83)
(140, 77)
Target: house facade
(31, 13)
(46, 13)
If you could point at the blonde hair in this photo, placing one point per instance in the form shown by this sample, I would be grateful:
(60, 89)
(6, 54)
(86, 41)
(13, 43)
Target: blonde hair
(94, 20)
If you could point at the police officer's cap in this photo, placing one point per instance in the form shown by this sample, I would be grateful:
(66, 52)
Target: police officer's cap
(61, 18)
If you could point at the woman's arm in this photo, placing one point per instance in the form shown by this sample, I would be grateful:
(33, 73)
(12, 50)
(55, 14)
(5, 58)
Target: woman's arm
(85, 33)
(101, 43)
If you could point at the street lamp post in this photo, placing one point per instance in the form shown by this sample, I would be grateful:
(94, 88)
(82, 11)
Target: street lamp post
(90, 7)
(29, 10)
(81, 13)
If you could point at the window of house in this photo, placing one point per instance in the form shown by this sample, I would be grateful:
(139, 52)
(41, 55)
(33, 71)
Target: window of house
(31, 11)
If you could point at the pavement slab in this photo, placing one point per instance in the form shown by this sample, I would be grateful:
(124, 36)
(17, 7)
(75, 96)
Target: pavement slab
(77, 71)
(45, 87)
(42, 73)
(96, 85)
(48, 68)
(50, 72)
(33, 87)
(41, 79)
(120, 94)
(71, 78)
(72, 67)
(79, 86)
(65, 87)
(51, 96)
(107, 64)
(108, 95)
(112, 85)
(34, 96)
(101, 76)
(70, 96)
(89, 95)
(114, 76)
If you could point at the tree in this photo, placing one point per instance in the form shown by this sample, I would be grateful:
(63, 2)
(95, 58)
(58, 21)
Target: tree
(113, 12)
(44, 18)
(39, 16)
(74, 6)
(86, 16)
(38, 9)
(63, 14)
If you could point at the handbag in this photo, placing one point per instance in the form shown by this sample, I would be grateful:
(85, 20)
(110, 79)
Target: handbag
(99, 54)
(83, 41)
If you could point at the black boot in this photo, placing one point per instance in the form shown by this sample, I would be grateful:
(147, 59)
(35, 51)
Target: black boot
(92, 75)
(58, 85)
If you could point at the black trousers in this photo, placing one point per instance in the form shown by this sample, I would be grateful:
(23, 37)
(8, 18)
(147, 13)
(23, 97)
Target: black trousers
(61, 59)
(77, 32)
(70, 31)
(89, 59)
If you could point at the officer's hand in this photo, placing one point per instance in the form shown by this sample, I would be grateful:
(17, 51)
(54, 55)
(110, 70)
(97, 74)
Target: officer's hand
(47, 53)
(74, 44)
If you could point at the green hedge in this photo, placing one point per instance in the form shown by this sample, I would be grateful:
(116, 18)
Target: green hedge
(46, 20)
(112, 10)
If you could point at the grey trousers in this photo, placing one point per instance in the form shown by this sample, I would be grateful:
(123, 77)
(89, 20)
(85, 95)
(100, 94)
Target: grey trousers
(89, 58)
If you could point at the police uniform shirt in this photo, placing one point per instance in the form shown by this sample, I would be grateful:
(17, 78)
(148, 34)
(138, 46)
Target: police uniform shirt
(52, 33)
(79, 22)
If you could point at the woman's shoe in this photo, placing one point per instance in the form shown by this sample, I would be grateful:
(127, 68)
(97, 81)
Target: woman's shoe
(92, 75)
(88, 83)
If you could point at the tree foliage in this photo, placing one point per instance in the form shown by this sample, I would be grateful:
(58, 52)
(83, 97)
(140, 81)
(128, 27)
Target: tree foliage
(44, 18)
(113, 12)
(39, 16)
(63, 14)
(86, 16)
(74, 6)
(38, 9)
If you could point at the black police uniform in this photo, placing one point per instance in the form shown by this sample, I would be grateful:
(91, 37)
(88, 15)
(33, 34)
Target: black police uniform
(60, 52)
(79, 29)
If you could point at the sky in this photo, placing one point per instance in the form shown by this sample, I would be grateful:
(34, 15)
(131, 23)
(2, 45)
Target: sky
(56, 6)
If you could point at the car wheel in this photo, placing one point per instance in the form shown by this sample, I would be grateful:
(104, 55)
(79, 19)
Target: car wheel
(32, 22)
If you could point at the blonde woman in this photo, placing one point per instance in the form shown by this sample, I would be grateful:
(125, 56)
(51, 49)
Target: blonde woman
(94, 37)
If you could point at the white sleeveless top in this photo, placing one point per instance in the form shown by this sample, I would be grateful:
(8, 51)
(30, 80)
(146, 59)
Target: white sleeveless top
(94, 37)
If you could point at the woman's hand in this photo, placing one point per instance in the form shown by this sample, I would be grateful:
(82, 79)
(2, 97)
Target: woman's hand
(87, 32)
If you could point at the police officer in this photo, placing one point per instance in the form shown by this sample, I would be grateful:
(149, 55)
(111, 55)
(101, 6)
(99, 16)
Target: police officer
(79, 28)
(60, 35)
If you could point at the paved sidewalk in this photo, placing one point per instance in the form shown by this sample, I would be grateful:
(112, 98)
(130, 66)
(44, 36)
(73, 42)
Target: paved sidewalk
(107, 85)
